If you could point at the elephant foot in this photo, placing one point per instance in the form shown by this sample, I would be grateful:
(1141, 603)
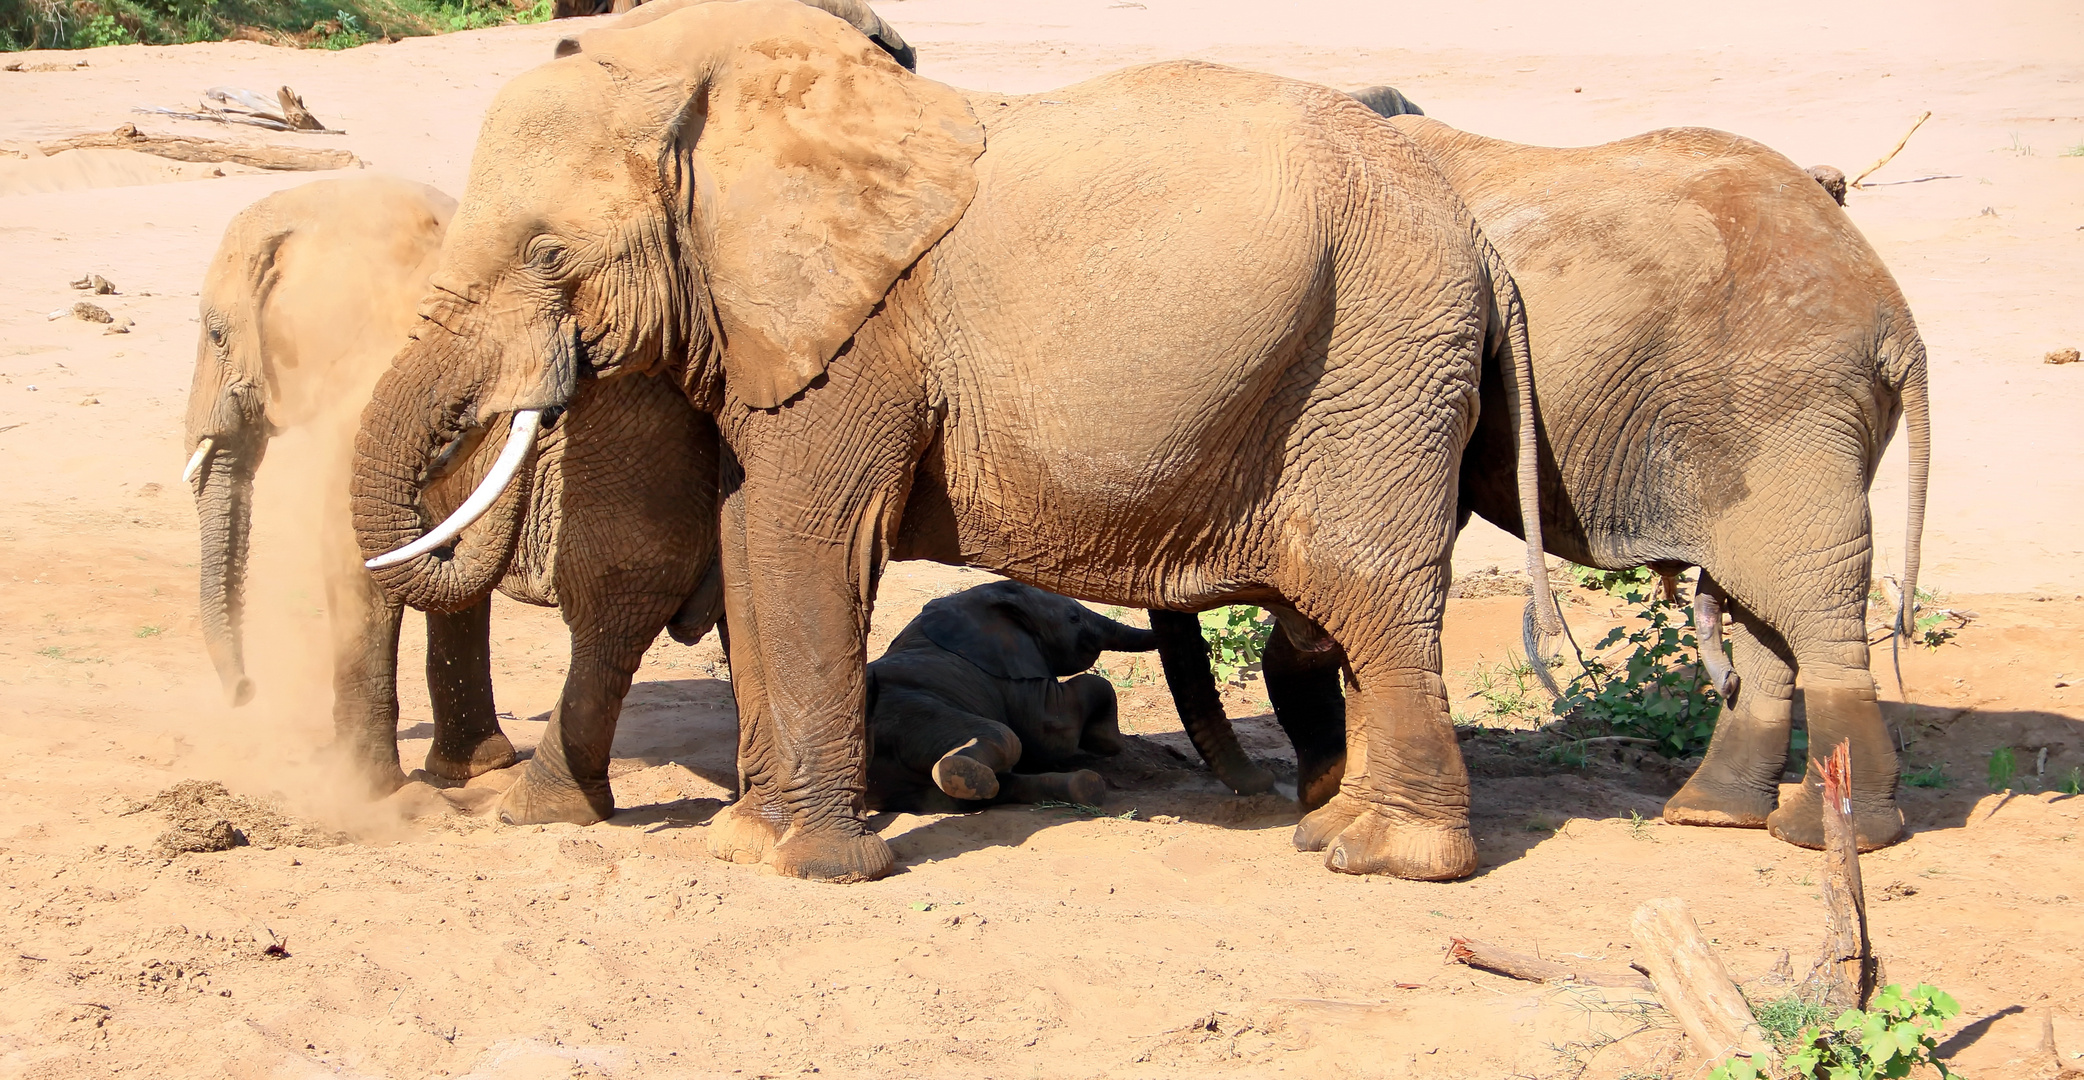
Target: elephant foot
(1799, 820)
(1318, 784)
(830, 855)
(740, 833)
(1374, 844)
(537, 800)
(1321, 826)
(965, 777)
(456, 766)
(1084, 787)
(1708, 801)
(369, 773)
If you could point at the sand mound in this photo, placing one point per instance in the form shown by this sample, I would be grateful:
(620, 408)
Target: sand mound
(206, 816)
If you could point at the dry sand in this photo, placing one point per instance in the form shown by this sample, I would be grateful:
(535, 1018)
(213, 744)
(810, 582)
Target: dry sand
(1017, 942)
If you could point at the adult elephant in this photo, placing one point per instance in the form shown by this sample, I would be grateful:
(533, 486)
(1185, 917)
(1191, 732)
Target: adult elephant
(309, 296)
(1721, 359)
(1177, 336)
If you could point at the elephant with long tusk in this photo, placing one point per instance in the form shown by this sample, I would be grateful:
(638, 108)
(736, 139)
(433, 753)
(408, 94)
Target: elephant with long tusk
(310, 294)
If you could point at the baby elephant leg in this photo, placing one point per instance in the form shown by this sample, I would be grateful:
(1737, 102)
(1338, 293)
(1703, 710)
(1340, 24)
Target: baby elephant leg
(983, 749)
(1083, 787)
(1099, 730)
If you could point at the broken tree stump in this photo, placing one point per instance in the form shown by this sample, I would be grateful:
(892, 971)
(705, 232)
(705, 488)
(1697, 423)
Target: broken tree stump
(1518, 965)
(1845, 971)
(1694, 986)
(179, 148)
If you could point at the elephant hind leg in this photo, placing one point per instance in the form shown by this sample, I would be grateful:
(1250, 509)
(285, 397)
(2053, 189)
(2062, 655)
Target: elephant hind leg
(1309, 705)
(1738, 782)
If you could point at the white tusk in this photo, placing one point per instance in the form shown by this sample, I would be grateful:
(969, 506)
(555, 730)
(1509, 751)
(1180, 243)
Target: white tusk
(195, 464)
(519, 439)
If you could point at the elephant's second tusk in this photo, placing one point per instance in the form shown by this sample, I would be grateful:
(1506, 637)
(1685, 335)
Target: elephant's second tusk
(519, 439)
(196, 463)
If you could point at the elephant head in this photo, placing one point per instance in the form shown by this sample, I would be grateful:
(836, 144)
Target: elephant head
(1015, 631)
(749, 180)
(285, 306)
(857, 14)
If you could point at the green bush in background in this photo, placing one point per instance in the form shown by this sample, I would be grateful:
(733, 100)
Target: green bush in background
(323, 24)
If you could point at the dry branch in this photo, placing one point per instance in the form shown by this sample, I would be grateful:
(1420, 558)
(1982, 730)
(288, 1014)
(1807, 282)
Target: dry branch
(1844, 973)
(1519, 965)
(179, 148)
(1891, 155)
(1694, 986)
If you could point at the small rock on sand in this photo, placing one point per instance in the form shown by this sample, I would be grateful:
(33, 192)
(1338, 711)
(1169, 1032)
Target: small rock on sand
(2062, 356)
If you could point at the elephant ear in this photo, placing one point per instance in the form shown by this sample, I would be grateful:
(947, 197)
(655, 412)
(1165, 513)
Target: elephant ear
(988, 627)
(818, 170)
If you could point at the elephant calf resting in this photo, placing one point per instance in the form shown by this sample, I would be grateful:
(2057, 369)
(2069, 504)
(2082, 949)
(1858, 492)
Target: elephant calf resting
(969, 692)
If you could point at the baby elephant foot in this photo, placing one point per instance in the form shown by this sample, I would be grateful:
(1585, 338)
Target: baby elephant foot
(833, 855)
(743, 833)
(1320, 826)
(965, 777)
(1374, 844)
(1877, 822)
(457, 764)
(1720, 801)
(538, 799)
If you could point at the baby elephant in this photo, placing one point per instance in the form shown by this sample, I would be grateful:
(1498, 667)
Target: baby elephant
(968, 694)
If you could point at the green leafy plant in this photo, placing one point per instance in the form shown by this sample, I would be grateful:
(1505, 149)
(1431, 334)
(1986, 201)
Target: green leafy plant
(343, 31)
(1236, 639)
(1898, 1031)
(103, 29)
(2003, 766)
(1614, 583)
(1641, 681)
(1931, 776)
(2073, 784)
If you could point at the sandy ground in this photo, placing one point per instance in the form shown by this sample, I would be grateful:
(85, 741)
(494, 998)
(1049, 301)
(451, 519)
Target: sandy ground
(1019, 942)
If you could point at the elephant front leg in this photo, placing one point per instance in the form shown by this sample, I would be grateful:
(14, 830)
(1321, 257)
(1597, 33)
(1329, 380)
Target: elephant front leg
(747, 830)
(1738, 782)
(1840, 713)
(567, 779)
(467, 738)
(364, 629)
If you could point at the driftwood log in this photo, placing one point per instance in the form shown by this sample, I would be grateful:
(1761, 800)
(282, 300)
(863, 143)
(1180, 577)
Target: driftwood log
(1519, 965)
(1694, 986)
(1844, 973)
(180, 148)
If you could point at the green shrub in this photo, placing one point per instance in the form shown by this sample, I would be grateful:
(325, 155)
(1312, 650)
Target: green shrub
(1236, 639)
(1642, 680)
(1891, 1037)
(1930, 776)
(2073, 784)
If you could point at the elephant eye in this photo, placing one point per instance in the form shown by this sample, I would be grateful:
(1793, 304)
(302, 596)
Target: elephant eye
(217, 333)
(546, 256)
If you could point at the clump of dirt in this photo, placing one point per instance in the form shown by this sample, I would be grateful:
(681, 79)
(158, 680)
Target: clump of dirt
(206, 816)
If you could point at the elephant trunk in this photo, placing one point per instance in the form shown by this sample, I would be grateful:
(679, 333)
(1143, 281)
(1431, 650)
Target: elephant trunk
(1184, 655)
(1121, 637)
(222, 472)
(402, 479)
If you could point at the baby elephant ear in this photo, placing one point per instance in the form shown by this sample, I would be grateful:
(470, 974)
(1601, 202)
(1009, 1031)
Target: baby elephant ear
(983, 626)
(826, 170)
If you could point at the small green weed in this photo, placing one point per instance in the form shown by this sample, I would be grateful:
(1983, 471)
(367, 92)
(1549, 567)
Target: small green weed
(1509, 692)
(1236, 637)
(1931, 776)
(2073, 784)
(1570, 755)
(150, 631)
(1639, 680)
(342, 31)
(1784, 1019)
(2003, 766)
(2019, 147)
(1636, 825)
(2074, 151)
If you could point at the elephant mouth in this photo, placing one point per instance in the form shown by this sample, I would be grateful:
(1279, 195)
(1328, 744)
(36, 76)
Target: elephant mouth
(521, 436)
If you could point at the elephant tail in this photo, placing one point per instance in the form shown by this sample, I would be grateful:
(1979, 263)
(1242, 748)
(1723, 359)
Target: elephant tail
(1517, 368)
(1917, 424)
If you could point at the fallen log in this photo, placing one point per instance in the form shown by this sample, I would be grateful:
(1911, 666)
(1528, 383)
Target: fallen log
(1845, 971)
(1519, 965)
(1694, 986)
(180, 148)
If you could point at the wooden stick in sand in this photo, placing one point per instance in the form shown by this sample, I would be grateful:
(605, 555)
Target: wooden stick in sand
(1891, 155)
(1694, 986)
(179, 148)
(1844, 973)
(1519, 965)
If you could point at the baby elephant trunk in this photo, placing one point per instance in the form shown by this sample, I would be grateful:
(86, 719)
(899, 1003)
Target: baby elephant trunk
(1121, 637)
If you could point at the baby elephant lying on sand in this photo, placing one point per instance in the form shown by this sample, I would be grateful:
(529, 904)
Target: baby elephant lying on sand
(965, 709)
